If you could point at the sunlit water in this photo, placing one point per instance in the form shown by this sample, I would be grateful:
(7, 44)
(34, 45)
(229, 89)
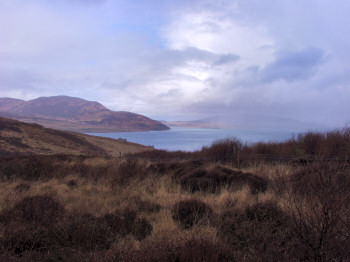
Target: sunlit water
(191, 139)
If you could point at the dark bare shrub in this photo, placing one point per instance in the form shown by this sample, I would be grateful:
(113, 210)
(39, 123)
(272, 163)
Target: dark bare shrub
(141, 229)
(312, 142)
(312, 179)
(319, 209)
(181, 250)
(130, 222)
(31, 225)
(144, 205)
(41, 209)
(21, 238)
(72, 184)
(191, 212)
(222, 147)
(260, 232)
(265, 148)
(88, 232)
(196, 180)
(127, 170)
(213, 179)
(22, 187)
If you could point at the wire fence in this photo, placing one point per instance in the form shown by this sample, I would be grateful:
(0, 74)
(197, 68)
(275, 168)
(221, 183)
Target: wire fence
(243, 159)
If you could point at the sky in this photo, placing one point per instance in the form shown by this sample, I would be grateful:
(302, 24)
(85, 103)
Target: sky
(183, 60)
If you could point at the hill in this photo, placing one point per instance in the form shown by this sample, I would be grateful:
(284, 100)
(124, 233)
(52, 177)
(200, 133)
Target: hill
(256, 121)
(75, 114)
(22, 138)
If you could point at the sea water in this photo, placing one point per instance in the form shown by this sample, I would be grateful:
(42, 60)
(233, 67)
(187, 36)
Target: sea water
(191, 139)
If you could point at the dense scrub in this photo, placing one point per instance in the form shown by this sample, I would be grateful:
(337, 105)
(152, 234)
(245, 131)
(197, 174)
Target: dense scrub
(71, 208)
(193, 176)
(259, 232)
(191, 212)
(40, 224)
(302, 147)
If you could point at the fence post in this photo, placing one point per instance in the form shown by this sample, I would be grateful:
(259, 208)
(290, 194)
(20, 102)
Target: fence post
(120, 154)
(233, 156)
(238, 163)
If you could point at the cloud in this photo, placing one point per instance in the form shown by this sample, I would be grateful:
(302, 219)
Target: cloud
(294, 65)
(182, 59)
(175, 57)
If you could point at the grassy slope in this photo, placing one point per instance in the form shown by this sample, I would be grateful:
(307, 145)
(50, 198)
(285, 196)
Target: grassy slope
(22, 138)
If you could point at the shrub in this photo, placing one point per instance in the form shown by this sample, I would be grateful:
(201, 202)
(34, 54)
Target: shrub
(141, 229)
(312, 142)
(87, 232)
(127, 170)
(221, 148)
(72, 184)
(144, 205)
(319, 207)
(215, 178)
(183, 250)
(19, 238)
(40, 209)
(22, 187)
(191, 212)
(312, 179)
(129, 222)
(260, 232)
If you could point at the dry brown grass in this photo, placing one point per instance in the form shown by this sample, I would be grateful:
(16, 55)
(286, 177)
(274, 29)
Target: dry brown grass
(153, 194)
(22, 138)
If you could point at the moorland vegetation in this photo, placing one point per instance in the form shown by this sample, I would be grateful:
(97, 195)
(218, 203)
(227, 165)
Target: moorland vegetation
(231, 201)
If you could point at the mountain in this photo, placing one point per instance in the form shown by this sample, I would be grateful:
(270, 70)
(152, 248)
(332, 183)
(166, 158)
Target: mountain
(22, 138)
(255, 121)
(75, 114)
(203, 123)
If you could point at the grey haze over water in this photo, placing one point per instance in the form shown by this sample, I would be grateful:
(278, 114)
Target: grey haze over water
(191, 139)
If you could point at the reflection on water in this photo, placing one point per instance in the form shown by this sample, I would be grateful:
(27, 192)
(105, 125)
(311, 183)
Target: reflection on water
(191, 139)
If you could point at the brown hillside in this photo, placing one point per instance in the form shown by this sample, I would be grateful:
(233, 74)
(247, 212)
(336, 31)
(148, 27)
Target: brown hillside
(75, 114)
(22, 138)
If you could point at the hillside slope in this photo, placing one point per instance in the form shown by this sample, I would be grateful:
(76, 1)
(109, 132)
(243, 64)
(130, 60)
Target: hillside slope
(75, 114)
(22, 138)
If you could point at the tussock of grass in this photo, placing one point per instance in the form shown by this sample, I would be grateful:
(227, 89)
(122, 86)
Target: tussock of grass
(104, 209)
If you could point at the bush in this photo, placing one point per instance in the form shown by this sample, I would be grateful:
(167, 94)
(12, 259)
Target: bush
(19, 238)
(260, 232)
(319, 205)
(191, 212)
(180, 250)
(141, 205)
(141, 229)
(41, 209)
(22, 187)
(215, 178)
(72, 184)
(312, 179)
(127, 170)
(221, 148)
(88, 232)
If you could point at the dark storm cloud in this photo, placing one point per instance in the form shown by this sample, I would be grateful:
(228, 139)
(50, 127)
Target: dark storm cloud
(294, 65)
(179, 57)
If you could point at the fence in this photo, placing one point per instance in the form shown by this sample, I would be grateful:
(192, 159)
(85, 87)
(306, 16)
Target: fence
(243, 159)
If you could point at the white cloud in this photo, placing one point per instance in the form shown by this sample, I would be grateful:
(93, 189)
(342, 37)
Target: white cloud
(219, 34)
(185, 59)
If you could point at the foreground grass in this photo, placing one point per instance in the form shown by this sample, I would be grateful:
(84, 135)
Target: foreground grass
(68, 208)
